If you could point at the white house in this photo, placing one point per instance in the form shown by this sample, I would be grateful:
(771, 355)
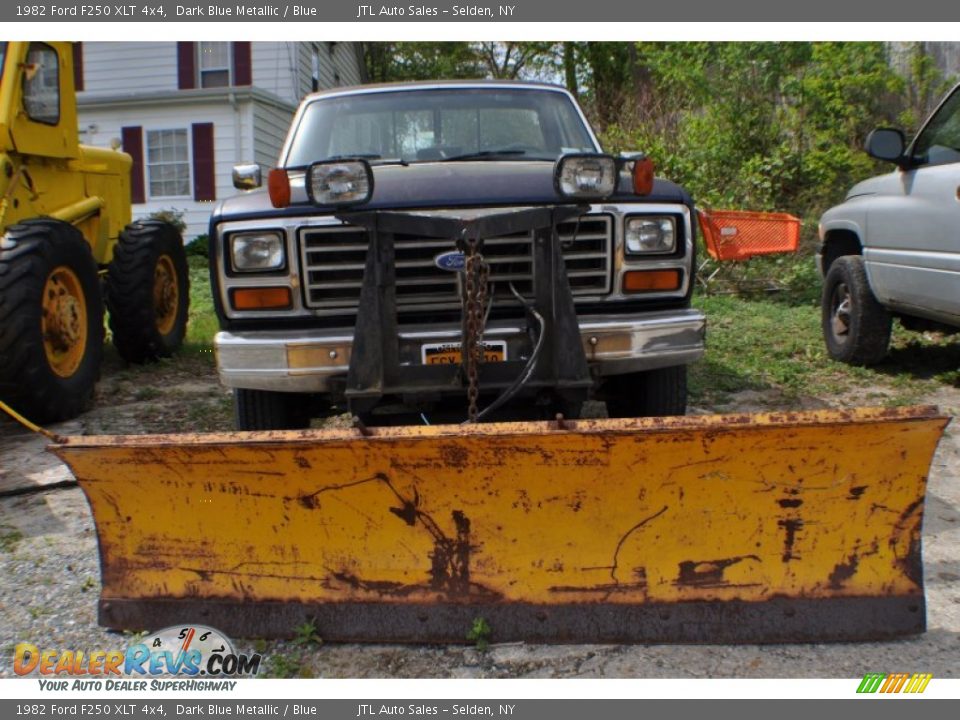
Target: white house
(189, 111)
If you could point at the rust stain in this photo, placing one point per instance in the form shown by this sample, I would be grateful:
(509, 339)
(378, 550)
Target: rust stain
(790, 502)
(455, 456)
(856, 492)
(791, 526)
(909, 522)
(708, 573)
(843, 572)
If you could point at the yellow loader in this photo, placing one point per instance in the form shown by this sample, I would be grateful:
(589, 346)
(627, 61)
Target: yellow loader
(789, 527)
(68, 248)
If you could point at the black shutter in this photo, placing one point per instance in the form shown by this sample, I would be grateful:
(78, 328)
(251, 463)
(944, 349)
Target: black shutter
(242, 64)
(186, 65)
(132, 138)
(78, 66)
(204, 176)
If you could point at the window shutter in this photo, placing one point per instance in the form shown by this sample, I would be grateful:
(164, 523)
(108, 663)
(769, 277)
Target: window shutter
(204, 178)
(242, 64)
(132, 139)
(186, 65)
(78, 66)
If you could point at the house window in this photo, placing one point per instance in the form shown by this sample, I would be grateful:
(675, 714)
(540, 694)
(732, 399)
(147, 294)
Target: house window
(214, 64)
(168, 163)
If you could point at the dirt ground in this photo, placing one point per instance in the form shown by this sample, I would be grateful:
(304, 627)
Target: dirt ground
(48, 561)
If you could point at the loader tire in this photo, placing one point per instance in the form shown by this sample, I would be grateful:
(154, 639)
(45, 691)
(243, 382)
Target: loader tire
(51, 320)
(265, 410)
(653, 393)
(856, 328)
(148, 291)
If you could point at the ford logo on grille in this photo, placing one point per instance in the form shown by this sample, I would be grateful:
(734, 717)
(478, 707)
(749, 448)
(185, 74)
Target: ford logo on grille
(454, 261)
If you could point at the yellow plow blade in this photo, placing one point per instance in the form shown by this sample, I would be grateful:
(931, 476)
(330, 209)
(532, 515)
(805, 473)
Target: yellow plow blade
(747, 528)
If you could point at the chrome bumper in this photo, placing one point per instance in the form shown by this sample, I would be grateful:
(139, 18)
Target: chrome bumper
(305, 360)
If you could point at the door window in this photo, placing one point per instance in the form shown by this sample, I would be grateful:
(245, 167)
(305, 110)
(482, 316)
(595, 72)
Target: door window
(939, 142)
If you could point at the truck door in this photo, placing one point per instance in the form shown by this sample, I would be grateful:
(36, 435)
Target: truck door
(913, 256)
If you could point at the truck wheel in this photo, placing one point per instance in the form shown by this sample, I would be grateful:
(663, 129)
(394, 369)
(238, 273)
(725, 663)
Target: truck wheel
(148, 291)
(856, 327)
(51, 320)
(653, 393)
(264, 410)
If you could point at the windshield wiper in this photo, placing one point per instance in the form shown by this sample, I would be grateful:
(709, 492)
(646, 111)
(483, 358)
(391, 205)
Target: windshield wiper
(484, 155)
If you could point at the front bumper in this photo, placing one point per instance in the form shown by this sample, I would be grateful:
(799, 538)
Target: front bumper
(306, 360)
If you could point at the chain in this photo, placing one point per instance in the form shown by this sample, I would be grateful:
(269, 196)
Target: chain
(476, 275)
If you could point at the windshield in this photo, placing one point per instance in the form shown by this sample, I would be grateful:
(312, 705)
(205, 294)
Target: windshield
(441, 124)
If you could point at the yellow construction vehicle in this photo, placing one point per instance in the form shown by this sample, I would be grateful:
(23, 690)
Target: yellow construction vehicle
(65, 221)
(470, 275)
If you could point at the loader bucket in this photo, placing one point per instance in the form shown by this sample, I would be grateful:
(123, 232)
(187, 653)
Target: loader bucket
(742, 528)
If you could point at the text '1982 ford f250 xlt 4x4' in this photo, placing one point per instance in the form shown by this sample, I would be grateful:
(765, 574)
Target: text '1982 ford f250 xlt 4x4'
(436, 244)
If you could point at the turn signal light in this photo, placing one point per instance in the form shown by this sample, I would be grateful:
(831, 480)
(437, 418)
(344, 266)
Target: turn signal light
(278, 186)
(643, 176)
(261, 298)
(637, 281)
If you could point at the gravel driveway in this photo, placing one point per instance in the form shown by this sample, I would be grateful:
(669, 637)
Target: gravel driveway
(48, 561)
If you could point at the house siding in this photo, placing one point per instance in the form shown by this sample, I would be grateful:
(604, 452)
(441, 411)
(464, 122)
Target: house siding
(270, 125)
(111, 68)
(245, 128)
(107, 124)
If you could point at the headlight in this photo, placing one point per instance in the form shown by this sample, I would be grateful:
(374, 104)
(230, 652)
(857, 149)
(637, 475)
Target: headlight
(645, 235)
(586, 176)
(251, 252)
(340, 182)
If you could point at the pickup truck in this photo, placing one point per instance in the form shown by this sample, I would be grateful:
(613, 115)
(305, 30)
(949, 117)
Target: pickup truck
(346, 284)
(892, 248)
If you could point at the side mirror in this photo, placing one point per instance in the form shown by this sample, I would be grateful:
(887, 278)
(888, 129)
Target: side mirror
(886, 144)
(247, 177)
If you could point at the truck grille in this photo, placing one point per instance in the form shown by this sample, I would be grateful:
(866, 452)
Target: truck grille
(332, 259)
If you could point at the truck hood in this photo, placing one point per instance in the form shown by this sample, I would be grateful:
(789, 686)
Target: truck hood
(445, 185)
(872, 186)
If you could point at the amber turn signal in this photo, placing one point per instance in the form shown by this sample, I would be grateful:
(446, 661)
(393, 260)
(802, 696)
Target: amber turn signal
(278, 186)
(261, 298)
(643, 176)
(635, 281)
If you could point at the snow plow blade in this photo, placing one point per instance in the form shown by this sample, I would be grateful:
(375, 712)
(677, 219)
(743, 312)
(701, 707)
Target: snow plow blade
(787, 527)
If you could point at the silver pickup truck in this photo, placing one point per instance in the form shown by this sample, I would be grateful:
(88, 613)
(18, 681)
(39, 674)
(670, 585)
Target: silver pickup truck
(345, 284)
(892, 248)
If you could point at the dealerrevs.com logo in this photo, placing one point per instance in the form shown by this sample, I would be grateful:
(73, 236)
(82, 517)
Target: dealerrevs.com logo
(894, 683)
(184, 651)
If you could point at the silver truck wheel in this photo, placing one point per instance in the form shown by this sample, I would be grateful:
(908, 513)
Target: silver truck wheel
(856, 328)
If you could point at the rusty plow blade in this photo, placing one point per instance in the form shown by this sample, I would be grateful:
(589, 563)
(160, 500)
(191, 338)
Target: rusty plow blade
(748, 528)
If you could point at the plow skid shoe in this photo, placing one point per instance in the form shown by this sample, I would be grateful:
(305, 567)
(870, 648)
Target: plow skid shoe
(748, 528)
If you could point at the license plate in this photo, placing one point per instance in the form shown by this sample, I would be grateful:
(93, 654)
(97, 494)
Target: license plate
(449, 353)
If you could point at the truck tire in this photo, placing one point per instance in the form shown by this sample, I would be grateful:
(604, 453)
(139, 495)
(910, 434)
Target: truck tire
(51, 320)
(148, 291)
(653, 393)
(265, 410)
(856, 328)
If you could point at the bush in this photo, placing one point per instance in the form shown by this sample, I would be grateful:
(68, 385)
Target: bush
(199, 246)
(172, 216)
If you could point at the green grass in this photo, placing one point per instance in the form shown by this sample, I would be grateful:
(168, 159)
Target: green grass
(772, 343)
(203, 320)
(10, 537)
(766, 342)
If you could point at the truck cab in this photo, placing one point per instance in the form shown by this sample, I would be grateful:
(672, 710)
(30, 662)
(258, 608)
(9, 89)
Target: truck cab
(289, 267)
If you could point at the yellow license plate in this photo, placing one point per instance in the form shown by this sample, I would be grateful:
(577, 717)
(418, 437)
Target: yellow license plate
(449, 353)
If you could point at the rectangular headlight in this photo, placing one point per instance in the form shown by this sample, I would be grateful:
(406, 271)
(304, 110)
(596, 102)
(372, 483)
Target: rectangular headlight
(257, 251)
(340, 182)
(649, 235)
(586, 176)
